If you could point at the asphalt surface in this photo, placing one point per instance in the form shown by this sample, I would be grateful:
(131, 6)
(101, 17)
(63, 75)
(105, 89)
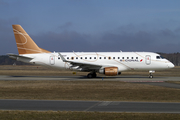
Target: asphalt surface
(101, 106)
(115, 78)
(163, 84)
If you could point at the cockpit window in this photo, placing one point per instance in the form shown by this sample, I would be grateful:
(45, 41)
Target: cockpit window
(162, 57)
(159, 57)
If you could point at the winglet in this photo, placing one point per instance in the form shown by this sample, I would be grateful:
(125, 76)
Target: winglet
(63, 59)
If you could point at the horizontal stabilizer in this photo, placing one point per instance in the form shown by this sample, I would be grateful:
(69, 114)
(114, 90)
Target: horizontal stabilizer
(14, 56)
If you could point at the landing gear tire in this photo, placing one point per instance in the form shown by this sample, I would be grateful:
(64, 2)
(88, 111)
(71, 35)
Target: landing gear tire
(150, 73)
(91, 75)
(94, 75)
(151, 76)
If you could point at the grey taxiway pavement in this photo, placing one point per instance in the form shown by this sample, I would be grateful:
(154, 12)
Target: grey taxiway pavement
(115, 78)
(101, 106)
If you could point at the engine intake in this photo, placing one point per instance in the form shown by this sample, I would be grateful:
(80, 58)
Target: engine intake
(109, 71)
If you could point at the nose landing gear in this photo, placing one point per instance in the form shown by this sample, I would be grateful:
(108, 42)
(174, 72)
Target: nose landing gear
(150, 73)
(150, 76)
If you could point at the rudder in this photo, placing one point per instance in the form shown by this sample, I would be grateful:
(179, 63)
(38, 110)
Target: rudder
(25, 44)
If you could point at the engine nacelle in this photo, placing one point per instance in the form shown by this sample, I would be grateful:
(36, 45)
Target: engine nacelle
(109, 71)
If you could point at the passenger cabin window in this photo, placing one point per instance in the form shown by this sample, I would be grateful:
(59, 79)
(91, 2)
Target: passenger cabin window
(85, 57)
(58, 57)
(136, 57)
(122, 57)
(89, 57)
(132, 58)
(94, 57)
(118, 57)
(81, 58)
(99, 57)
(113, 57)
(67, 57)
(127, 57)
(76, 57)
(104, 57)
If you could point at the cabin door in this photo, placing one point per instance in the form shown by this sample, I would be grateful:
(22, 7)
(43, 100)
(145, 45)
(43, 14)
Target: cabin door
(148, 59)
(52, 60)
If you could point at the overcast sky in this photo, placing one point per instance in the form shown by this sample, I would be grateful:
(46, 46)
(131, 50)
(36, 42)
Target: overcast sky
(93, 25)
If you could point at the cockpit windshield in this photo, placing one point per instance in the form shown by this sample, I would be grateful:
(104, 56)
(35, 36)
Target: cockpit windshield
(159, 57)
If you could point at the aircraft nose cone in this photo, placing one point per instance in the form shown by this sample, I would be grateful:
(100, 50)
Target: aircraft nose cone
(170, 65)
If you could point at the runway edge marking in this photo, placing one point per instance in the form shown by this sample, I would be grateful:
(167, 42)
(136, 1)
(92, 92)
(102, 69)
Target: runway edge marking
(93, 106)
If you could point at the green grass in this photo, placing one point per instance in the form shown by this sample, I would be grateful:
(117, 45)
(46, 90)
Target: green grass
(86, 90)
(175, 82)
(50, 115)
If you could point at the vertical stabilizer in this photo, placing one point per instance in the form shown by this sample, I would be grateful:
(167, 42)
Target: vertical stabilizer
(25, 44)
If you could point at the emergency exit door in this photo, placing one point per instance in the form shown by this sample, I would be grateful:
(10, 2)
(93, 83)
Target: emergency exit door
(148, 59)
(52, 60)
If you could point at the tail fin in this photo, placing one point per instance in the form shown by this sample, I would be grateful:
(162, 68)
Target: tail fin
(24, 42)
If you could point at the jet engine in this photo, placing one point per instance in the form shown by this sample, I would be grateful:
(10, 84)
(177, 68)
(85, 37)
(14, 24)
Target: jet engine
(109, 71)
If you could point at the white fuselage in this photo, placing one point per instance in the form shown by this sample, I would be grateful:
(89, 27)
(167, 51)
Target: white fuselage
(107, 63)
(122, 60)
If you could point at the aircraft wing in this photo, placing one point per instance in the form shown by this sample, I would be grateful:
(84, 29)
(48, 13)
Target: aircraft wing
(85, 66)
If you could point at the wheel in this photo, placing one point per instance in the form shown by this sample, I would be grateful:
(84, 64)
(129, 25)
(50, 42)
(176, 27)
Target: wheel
(151, 76)
(89, 75)
(94, 75)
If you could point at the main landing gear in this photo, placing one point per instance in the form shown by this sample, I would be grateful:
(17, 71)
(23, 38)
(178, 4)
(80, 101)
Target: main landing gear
(92, 75)
(150, 73)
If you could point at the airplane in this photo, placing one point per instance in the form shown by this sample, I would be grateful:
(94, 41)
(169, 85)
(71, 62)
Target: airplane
(107, 63)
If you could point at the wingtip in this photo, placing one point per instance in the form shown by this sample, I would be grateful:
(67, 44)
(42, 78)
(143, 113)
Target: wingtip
(62, 58)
